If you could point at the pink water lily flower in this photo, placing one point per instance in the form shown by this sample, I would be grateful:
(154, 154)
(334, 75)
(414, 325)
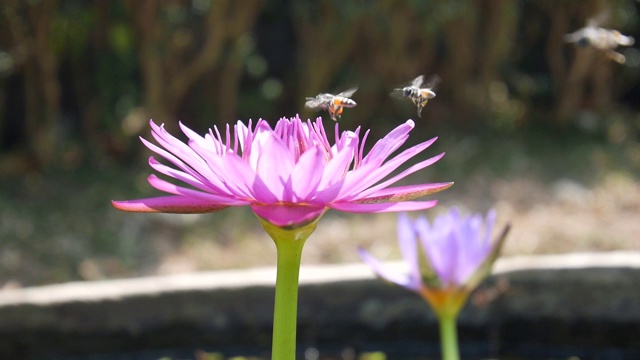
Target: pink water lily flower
(289, 175)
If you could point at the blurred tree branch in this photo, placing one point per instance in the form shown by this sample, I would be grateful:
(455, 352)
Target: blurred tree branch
(173, 59)
(30, 26)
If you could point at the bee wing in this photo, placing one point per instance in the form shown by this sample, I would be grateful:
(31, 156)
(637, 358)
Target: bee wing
(417, 81)
(348, 93)
(315, 102)
(433, 81)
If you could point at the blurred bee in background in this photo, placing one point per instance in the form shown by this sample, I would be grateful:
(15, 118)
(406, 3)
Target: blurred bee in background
(601, 39)
(419, 96)
(334, 104)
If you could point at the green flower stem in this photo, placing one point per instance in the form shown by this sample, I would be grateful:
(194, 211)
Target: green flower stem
(289, 243)
(285, 312)
(448, 336)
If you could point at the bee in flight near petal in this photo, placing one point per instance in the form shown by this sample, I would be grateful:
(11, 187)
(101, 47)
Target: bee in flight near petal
(334, 104)
(605, 40)
(419, 95)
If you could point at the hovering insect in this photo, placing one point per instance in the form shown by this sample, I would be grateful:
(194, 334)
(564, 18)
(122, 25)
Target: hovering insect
(605, 40)
(334, 104)
(419, 96)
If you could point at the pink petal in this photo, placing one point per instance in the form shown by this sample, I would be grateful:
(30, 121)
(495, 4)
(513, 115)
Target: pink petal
(307, 173)
(192, 135)
(179, 175)
(274, 165)
(200, 169)
(356, 179)
(203, 173)
(334, 174)
(404, 193)
(369, 174)
(387, 145)
(241, 178)
(175, 146)
(419, 166)
(288, 215)
(383, 207)
(179, 190)
(168, 204)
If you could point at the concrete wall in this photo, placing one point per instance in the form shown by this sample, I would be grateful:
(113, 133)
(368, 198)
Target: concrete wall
(585, 305)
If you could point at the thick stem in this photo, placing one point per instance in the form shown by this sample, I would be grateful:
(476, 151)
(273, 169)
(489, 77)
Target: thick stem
(448, 337)
(286, 302)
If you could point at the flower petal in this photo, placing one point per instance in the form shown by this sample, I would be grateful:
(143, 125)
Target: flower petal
(168, 204)
(178, 175)
(397, 278)
(338, 166)
(419, 166)
(441, 247)
(243, 179)
(306, 174)
(288, 215)
(404, 193)
(177, 147)
(166, 186)
(370, 173)
(387, 145)
(408, 241)
(383, 207)
(198, 171)
(274, 165)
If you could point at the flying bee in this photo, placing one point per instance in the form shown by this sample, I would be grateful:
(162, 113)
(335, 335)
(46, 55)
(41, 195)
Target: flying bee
(334, 104)
(419, 96)
(605, 40)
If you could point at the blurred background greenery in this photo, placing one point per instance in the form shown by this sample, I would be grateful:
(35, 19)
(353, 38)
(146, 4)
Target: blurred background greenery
(545, 130)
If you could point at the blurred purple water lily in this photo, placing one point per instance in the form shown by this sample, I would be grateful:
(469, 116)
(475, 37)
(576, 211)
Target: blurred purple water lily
(289, 175)
(446, 259)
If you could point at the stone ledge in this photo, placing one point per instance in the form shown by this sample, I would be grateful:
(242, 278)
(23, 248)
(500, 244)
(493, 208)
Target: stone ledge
(555, 302)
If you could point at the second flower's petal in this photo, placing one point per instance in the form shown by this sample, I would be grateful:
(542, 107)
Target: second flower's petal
(397, 278)
(407, 239)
